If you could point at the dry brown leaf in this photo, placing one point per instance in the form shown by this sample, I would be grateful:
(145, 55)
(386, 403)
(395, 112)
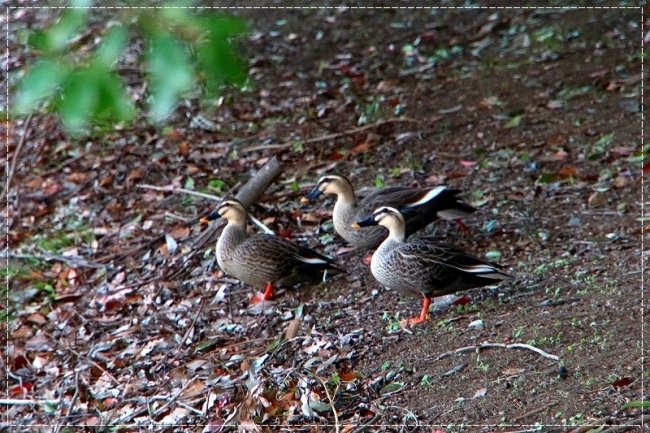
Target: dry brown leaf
(180, 232)
(193, 389)
(292, 328)
(77, 177)
(135, 174)
(513, 371)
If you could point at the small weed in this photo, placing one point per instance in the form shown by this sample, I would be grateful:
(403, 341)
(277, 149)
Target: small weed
(425, 382)
(518, 332)
(393, 324)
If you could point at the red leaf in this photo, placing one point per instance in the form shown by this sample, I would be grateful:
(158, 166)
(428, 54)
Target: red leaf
(285, 233)
(335, 156)
(183, 149)
(566, 172)
(462, 300)
(587, 177)
(21, 362)
(362, 148)
(624, 381)
(452, 174)
(646, 168)
(348, 377)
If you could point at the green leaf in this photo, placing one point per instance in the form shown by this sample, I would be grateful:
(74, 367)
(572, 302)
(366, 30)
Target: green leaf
(546, 178)
(204, 345)
(217, 58)
(57, 37)
(605, 140)
(379, 181)
(513, 122)
(112, 46)
(493, 255)
(39, 83)
(391, 387)
(92, 93)
(217, 185)
(638, 403)
(189, 183)
(170, 71)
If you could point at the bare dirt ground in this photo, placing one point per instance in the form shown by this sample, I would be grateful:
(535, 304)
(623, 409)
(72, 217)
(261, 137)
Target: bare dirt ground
(534, 114)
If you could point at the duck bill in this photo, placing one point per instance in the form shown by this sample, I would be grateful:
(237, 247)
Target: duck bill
(210, 217)
(370, 221)
(312, 195)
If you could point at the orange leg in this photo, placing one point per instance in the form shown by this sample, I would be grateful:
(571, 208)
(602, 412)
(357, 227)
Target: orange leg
(462, 225)
(423, 314)
(367, 259)
(268, 294)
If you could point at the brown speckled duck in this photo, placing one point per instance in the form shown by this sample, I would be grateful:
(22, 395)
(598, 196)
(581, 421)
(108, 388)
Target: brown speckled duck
(423, 267)
(264, 261)
(420, 207)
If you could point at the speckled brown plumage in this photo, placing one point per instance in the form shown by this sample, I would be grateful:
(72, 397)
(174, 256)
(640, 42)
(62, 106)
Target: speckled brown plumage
(424, 267)
(265, 260)
(420, 206)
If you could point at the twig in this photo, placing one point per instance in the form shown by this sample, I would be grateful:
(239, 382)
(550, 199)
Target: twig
(370, 423)
(337, 426)
(187, 333)
(619, 428)
(72, 402)
(172, 188)
(329, 136)
(14, 161)
(85, 358)
(495, 345)
(535, 411)
(171, 400)
(49, 257)
(18, 402)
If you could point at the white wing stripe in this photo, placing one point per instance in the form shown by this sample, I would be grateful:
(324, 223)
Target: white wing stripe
(428, 196)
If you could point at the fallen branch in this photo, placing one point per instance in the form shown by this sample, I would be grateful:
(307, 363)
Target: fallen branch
(247, 195)
(535, 411)
(329, 136)
(172, 188)
(497, 345)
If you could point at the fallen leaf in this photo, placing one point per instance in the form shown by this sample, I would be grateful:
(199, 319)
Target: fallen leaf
(77, 177)
(181, 232)
(361, 148)
(292, 328)
(183, 149)
(513, 371)
(135, 174)
(596, 200)
(480, 393)
(624, 381)
(566, 172)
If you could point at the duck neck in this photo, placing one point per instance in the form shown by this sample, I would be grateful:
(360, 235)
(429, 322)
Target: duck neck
(232, 236)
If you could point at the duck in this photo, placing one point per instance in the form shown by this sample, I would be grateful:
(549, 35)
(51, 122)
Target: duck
(424, 267)
(264, 261)
(420, 206)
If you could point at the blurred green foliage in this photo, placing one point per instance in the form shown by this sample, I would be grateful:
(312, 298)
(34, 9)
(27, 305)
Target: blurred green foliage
(185, 51)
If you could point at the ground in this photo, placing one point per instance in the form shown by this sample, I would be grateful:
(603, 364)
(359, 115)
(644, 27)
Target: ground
(534, 114)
